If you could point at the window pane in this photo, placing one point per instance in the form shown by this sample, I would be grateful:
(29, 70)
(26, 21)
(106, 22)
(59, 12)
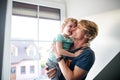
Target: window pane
(23, 9)
(49, 13)
(48, 29)
(13, 70)
(24, 28)
(23, 70)
(32, 69)
(24, 43)
(29, 50)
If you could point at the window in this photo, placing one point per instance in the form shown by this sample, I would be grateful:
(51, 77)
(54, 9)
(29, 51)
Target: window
(14, 50)
(31, 50)
(31, 69)
(13, 70)
(33, 30)
(23, 70)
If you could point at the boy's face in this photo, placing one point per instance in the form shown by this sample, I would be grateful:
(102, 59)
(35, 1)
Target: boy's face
(68, 28)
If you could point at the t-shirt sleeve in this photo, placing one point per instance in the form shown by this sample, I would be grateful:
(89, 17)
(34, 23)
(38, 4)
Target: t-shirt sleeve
(86, 60)
(59, 38)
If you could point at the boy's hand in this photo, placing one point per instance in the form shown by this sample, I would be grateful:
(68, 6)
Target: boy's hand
(78, 53)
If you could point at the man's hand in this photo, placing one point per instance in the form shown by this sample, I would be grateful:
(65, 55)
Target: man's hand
(50, 72)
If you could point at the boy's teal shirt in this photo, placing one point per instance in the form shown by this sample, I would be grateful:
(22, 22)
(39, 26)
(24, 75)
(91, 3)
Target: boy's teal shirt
(67, 42)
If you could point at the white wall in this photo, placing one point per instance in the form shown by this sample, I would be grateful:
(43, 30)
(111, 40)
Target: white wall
(107, 44)
(106, 13)
(83, 8)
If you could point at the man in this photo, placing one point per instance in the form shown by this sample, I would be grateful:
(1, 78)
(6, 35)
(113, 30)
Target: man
(84, 33)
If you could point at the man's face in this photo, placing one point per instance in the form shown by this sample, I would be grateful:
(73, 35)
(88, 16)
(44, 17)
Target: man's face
(78, 33)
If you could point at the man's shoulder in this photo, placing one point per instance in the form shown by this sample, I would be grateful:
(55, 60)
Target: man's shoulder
(88, 49)
(87, 52)
(86, 59)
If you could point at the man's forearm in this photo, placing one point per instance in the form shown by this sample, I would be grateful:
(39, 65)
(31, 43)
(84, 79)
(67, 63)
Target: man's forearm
(67, 73)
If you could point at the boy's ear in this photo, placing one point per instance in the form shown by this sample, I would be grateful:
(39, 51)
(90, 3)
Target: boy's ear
(87, 36)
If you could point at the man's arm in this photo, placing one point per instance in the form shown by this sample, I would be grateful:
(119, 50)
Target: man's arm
(76, 74)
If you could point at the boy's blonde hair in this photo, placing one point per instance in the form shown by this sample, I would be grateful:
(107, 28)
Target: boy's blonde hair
(67, 20)
(90, 27)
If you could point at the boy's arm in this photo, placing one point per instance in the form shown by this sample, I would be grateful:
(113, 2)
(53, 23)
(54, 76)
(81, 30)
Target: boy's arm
(61, 51)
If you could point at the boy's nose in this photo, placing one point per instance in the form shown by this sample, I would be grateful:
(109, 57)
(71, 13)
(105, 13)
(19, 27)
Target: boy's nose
(73, 29)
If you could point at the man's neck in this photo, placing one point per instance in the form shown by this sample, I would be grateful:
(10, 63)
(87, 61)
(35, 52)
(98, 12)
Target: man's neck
(78, 43)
